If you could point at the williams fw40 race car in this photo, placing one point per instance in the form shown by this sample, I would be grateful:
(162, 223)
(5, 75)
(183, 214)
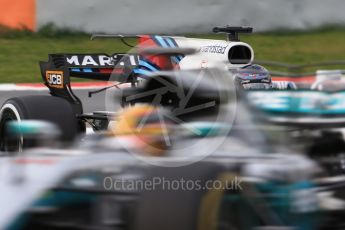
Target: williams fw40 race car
(65, 109)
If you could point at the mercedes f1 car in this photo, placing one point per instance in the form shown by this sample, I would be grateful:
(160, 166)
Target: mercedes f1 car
(313, 116)
(99, 185)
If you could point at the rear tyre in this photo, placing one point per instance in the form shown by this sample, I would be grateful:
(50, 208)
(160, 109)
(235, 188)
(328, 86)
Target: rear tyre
(47, 108)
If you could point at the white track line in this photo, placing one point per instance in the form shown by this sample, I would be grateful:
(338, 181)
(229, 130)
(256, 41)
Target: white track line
(20, 87)
(7, 87)
(14, 87)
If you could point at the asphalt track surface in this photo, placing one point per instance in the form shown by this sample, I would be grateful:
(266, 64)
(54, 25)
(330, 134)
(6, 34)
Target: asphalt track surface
(96, 103)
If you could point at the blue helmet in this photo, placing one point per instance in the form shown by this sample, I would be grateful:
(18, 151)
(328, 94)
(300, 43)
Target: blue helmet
(253, 77)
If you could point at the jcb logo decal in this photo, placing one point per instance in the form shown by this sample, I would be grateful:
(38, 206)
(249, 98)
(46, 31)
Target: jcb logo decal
(55, 79)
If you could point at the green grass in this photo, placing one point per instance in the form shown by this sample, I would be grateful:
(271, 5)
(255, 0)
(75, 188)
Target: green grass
(300, 47)
(19, 57)
(20, 51)
(297, 47)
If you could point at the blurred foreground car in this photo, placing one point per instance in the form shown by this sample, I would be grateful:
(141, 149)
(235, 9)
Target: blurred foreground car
(102, 184)
(313, 117)
(99, 186)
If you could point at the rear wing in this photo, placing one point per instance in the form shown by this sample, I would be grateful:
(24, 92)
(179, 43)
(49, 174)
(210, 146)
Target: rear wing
(58, 70)
(89, 66)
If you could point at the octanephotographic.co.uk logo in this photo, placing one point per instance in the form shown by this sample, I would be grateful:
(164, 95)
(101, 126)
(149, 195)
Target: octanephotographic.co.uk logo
(164, 184)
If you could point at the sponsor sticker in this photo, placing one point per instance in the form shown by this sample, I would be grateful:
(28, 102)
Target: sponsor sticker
(101, 60)
(217, 49)
(55, 79)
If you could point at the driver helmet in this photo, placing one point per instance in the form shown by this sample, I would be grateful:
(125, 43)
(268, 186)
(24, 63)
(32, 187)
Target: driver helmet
(252, 77)
(142, 128)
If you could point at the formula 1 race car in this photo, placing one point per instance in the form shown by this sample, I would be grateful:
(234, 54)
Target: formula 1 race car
(82, 190)
(65, 109)
(99, 185)
(313, 116)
